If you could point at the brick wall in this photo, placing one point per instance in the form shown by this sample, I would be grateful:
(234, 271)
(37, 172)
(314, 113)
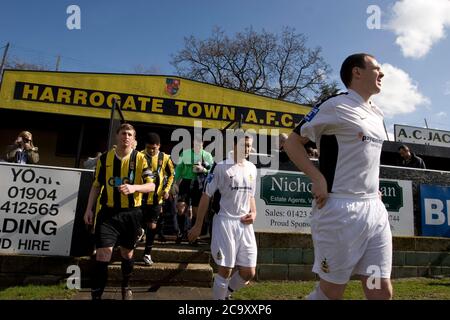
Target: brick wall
(291, 256)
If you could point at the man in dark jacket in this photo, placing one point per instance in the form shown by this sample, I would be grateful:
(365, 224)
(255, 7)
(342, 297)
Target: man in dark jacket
(23, 150)
(409, 159)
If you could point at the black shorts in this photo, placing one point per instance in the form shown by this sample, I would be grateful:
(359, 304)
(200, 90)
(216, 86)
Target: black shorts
(190, 190)
(151, 213)
(118, 227)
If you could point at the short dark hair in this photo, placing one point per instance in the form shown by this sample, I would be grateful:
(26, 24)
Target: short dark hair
(354, 60)
(126, 126)
(403, 147)
(238, 137)
(152, 138)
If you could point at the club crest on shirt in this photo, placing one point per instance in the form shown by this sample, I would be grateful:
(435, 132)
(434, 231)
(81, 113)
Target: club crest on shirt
(131, 176)
(219, 255)
(324, 266)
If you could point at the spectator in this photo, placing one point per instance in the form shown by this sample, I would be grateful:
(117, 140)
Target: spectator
(409, 159)
(23, 150)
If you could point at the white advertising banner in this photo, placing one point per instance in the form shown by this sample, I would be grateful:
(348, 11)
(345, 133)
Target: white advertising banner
(37, 209)
(283, 202)
(419, 135)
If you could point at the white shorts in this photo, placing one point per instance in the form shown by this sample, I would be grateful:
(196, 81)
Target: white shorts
(233, 243)
(351, 236)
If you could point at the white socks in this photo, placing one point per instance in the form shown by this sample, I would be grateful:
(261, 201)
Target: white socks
(223, 288)
(317, 294)
(236, 283)
(220, 287)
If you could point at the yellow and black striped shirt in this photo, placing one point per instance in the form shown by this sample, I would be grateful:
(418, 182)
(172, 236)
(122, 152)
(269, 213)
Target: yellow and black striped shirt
(163, 171)
(112, 172)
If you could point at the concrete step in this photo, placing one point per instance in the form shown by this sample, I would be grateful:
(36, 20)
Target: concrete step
(170, 240)
(38, 270)
(174, 265)
(159, 274)
(172, 253)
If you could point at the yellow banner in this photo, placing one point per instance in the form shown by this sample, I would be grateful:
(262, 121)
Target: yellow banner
(143, 98)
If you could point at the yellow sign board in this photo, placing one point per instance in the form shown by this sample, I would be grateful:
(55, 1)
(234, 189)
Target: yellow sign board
(144, 98)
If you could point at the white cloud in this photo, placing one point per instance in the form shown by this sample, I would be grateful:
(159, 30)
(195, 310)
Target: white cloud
(399, 94)
(441, 114)
(419, 24)
(447, 88)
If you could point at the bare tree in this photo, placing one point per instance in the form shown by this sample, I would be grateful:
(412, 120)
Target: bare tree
(278, 66)
(141, 69)
(19, 64)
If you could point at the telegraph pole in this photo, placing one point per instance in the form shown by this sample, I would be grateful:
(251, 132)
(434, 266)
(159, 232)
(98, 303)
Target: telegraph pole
(5, 52)
(58, 59)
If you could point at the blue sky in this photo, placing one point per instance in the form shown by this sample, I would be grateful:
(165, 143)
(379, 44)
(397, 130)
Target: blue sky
(117, 36)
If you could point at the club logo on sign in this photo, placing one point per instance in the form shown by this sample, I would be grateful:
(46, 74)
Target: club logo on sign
(172, 86)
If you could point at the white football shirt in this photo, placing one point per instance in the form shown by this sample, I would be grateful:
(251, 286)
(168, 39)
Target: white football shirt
(349, 134)
(236, 184)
